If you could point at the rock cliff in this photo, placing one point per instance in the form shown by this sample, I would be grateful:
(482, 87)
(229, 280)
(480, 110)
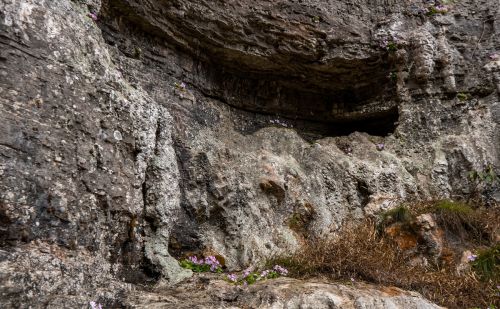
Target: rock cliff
(135, 132)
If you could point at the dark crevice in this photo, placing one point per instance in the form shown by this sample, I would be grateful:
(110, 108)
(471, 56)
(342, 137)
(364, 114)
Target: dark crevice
(380, 124)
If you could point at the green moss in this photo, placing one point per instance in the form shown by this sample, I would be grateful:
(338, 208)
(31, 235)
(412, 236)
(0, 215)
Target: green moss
(398, 214)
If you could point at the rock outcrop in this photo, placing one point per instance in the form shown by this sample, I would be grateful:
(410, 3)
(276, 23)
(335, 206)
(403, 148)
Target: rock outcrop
(135, 132)
(207, 292)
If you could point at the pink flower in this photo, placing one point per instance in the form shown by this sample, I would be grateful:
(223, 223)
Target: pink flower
(195, 260)
(93, 16)
(247, 272)
(232, 277)
(213, 262)
(95, 305)
(280, 270)
(472, 257)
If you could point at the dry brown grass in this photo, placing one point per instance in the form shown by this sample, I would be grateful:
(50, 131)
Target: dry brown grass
(361, 251)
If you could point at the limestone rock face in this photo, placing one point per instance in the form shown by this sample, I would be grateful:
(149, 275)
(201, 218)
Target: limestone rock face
(135, 132)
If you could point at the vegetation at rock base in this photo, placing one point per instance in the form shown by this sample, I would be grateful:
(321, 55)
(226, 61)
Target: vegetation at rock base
(249, 276)
(487, 263)
(199, 265)
(398, 214)
(364, 252)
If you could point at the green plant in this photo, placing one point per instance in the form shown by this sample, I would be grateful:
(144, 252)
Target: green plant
(487, 263)
(487, 175)
(453, 207)
(462, 96)
(399, 214)
(250, 277)
(209, 264)
(392, 46)
(436, 9)
(482, 181)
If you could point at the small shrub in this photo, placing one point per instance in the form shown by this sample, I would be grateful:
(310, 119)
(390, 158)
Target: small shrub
(487, 263)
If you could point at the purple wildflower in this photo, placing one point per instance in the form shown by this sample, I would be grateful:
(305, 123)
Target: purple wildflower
(441, 8)
(472, 257)
(494, 57)
(232, 277)
(384, 43)
(265, 273)
(95, 305)
(212, 262)
(380, 146)
(93, 16)
(280, 270)
(247, 272)
(195, 260)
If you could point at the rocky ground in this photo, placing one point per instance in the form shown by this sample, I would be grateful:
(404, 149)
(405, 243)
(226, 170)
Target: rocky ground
(134, 133)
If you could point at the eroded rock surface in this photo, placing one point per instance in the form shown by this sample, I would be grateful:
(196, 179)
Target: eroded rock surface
(207, 292)
(233, 128)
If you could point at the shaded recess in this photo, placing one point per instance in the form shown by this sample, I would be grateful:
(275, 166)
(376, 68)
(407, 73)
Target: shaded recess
(338, 98)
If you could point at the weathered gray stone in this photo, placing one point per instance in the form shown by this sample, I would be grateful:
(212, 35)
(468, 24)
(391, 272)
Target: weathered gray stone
(233, 128)
(279, 293)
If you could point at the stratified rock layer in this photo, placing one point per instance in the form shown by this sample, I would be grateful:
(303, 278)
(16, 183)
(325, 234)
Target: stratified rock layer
(233, 128)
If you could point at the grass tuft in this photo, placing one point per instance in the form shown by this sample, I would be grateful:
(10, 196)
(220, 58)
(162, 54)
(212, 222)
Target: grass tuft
(399, 214)
(462, 221)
